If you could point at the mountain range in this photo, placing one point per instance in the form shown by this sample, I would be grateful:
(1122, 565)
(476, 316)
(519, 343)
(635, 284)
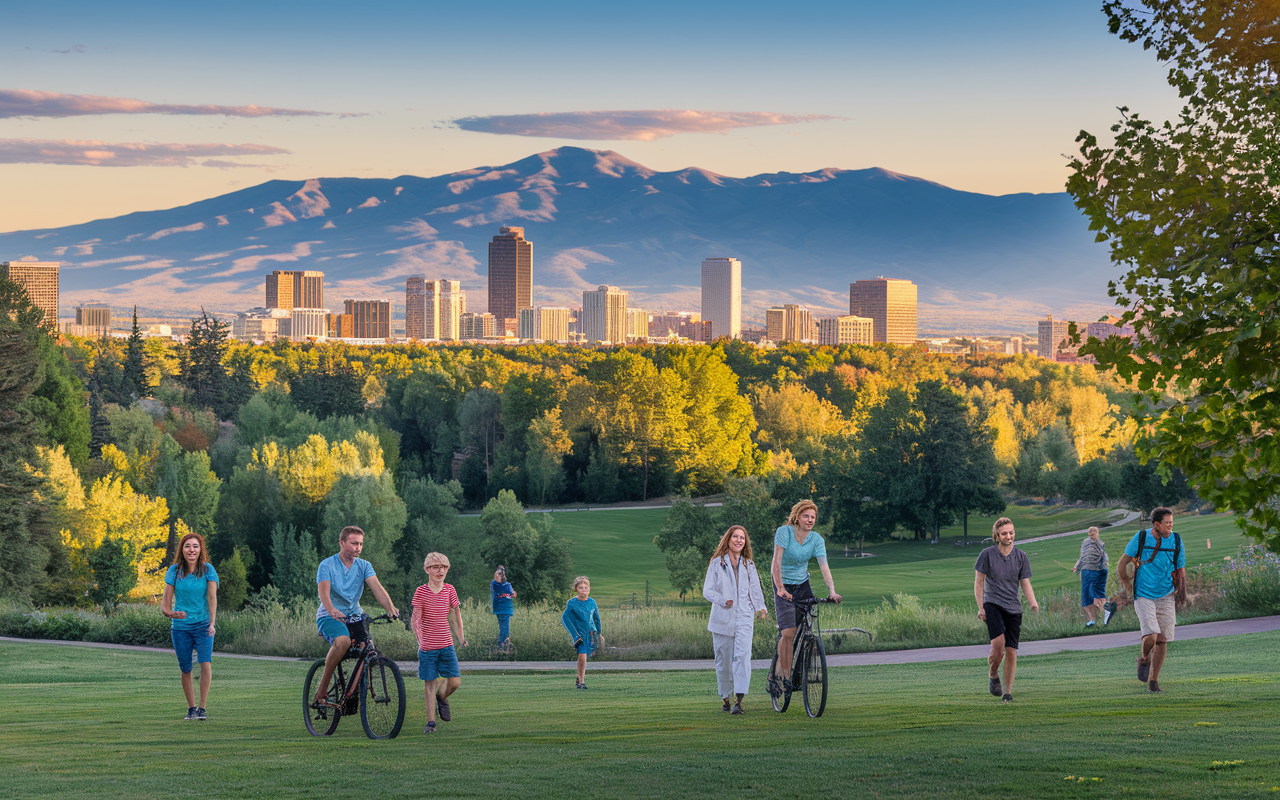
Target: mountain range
(982, 263)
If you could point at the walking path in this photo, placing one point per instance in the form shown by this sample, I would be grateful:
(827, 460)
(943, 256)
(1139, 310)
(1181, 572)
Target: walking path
(1099, 641)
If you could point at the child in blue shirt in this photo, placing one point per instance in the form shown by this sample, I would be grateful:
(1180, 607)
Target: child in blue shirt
(500, 595)
(581, 618)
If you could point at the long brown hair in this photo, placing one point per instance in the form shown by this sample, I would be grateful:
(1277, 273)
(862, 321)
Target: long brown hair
(201, 560)
(723, 547)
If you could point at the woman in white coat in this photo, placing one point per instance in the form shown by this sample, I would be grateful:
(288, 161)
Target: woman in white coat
(732, 587)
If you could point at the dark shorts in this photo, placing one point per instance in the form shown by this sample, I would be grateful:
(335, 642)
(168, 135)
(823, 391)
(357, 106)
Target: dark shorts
(442, 663)
(1093, 585)
(1001, 622)
(801, 594)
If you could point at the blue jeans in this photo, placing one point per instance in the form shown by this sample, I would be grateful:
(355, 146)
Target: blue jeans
(504, 627)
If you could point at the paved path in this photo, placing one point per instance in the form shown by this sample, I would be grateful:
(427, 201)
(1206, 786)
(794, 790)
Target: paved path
(1097, 641)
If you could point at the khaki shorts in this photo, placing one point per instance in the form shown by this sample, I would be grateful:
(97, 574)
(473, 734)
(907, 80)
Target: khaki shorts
(1156, 616)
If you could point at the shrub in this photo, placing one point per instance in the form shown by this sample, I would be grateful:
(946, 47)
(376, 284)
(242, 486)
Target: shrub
(1250, 581)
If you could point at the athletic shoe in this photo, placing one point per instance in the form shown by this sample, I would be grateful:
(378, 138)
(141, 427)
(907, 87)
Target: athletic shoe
(773, 687)
(431, 728)
(1154, 687)
(996, 691)
(1008, 698)
(200, 714)
(1144, 668)
(442, 709)
(737, 709)
(787, 686)
(582, 685)
(577, 684)
(1090, 624)
(727, 705)
(191, 713)
(1108, 611)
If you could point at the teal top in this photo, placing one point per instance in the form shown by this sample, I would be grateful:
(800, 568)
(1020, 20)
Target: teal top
(795, 556)
(580, 618)
(191, 594)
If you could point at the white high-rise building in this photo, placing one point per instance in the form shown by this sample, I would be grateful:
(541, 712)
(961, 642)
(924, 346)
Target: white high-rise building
(722, 296)
(604, 315)
(453, 304)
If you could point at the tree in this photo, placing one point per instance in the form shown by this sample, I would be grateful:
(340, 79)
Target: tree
(1095, 482)
(688, 538)
(114, 575)
(333, 388)
(208, 383)
(1189, 208)
(371, 503)
(537, 560)
(59, 401)
(719, 420)
(233, 581)
(190, 488)
(478, 421)
(294, 562)
(547, 444)
(135, 372)
(747, 502)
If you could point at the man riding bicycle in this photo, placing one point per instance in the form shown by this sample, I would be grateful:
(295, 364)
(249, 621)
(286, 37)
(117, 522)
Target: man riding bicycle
(340, 581)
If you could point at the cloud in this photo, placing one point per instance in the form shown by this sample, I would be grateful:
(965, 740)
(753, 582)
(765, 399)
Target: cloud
(642, 125)
(123, 154)
(26, 103)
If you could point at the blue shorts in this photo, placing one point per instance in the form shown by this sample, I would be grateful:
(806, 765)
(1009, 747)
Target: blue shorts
(584, 647)
(331, 628)
(442, 663)
(1093, 584)
(187, 639)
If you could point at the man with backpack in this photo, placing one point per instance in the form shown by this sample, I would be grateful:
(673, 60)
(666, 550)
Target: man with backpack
(1159, 585)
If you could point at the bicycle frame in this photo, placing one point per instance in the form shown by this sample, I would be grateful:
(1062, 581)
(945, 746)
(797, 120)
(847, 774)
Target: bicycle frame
(362, 652)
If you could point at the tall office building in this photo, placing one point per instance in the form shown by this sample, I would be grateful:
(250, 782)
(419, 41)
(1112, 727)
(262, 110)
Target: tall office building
(93, 320)
(722, 295)
(510, 273)
(415, 307)
(40, 281)
(477, 326)
(637, 324)
(452, 305)
(306, 323)
(891, 305)
(289, 289)
(371, 318)
(845, 330)
(259, 324)
(544, 324)
(1052, 337)
(790, 323)
(604, 315)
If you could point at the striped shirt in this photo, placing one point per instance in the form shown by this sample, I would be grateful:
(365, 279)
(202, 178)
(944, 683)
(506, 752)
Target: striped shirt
(432, 628)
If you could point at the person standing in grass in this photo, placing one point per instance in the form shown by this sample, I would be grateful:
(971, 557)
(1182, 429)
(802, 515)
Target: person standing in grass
(999, 572)
(435, 611)
(581, 618)
(501, 594)
(732, 587)
(793, 545)
(1092, 567)
(191, 603)
(1159, 585)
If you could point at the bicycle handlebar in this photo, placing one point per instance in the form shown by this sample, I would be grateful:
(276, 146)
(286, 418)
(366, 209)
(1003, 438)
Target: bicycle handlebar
(381, 619)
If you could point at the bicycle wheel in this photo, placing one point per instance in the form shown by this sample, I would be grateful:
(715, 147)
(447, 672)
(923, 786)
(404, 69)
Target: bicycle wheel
(381, 698)
(815, 677)
(322, 721)
(781, 702)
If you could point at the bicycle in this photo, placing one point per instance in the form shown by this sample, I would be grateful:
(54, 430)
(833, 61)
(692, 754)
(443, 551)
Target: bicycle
(808, 664)
(373, 685)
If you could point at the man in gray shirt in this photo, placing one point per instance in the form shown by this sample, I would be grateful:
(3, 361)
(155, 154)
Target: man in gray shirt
(998, 573)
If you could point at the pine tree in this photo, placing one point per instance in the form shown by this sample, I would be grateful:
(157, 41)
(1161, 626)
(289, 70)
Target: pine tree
(134, 369)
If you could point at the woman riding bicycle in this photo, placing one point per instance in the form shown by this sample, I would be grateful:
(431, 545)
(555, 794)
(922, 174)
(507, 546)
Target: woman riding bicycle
(793, 545)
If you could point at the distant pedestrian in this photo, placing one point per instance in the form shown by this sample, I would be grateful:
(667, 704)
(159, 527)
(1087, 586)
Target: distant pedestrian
(1159, 585)
(1092, 567)
(435, 611)
(998, 574)
(191, 603)
(581, 618)
(501, 594)
(732, 586)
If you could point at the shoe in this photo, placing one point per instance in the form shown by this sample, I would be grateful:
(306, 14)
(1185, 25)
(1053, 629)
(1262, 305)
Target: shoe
(737, 709)
(1108, 611)
(787, 686)
(1154, 687)
(773, 687)
(727, 705)
(442, 710)
(1008, 698)
(191, 713)
(995, 687)
(200, 713)
(1090, 623)
(582, 685)
(431, 728)
(1144, 668)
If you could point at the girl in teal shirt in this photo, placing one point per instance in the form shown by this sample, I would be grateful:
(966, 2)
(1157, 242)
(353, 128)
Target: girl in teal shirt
(191, 602)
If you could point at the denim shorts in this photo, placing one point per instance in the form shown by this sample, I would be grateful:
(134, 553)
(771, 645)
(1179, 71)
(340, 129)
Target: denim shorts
(187, 639)
(442, 663)
(1093, 584)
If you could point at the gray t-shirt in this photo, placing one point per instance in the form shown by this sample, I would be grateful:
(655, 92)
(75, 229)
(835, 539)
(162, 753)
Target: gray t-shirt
(1003, 575)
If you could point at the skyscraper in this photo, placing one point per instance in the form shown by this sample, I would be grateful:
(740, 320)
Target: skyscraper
(722, 295)
(604, 315)
(415, 307)
(40, 280)
(289, 289)
(510, 273)
(1052, 336)
(891, 305)
(790, 323)
(845, 330)
(453, 304)
(372, 318)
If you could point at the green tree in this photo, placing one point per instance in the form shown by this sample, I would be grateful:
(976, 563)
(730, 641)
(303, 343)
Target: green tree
(191, 489)
(370, 502)
(233, 581)
(135, 371)
(114, 575)
(333, 387)
(294, 562)
(747, 502)
(688, 537)
(537, 559)
(547, 444)
(1095, 482)
(478, 420)
(207, 381)
(719, 420)
(1189, 208)
(60, 401)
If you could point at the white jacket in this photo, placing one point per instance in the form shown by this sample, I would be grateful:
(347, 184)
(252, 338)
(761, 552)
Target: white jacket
(719, 588)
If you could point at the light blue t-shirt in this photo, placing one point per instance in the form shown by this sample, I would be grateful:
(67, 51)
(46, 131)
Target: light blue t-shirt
(1155, 579)
(795, 556)
(191, 594)
(345, 585)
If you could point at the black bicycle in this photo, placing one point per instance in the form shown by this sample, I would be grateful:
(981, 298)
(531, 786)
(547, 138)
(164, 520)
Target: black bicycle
(808, 664)
(372, 684)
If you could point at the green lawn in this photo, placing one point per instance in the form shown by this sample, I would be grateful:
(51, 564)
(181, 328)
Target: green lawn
(79, 722)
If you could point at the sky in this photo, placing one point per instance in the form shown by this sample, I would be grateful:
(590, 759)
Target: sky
(107, 109)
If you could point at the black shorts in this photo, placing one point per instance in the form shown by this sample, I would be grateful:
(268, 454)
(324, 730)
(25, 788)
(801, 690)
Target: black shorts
(801, 595)
(1001, 622)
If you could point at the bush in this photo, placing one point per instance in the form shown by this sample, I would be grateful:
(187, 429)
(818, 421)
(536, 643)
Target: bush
(1250, 581)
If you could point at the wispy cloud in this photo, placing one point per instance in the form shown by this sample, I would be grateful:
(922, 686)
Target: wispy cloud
(27, 103)
(642, 125)
(124, 154)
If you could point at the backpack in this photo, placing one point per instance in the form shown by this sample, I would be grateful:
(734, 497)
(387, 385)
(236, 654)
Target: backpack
(1138, 562)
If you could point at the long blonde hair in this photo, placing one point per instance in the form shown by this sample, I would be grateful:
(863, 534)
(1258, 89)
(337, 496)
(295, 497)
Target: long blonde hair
(723, 547)
(800, 508)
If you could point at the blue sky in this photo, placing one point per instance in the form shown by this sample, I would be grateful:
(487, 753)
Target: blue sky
(980, 96)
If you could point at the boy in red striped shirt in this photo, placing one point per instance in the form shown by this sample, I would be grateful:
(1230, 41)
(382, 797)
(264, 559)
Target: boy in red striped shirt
(435, 611)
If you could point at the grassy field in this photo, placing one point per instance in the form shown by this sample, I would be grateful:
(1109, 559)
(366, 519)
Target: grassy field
(80, 722)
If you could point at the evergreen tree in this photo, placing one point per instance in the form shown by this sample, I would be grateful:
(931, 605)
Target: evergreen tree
(135, 372)
(113, 570)
(208, 383)
(295, 562)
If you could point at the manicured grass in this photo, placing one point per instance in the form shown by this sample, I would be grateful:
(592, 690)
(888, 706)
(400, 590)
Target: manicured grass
(78, 722)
